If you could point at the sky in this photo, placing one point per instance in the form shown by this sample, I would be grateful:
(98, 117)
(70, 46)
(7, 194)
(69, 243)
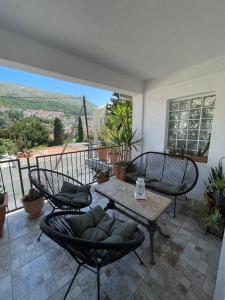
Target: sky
(97, 96)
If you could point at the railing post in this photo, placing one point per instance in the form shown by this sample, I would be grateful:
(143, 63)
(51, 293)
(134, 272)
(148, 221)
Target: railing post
(21, 177)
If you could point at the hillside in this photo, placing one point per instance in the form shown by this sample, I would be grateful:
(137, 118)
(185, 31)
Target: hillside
(38, 99)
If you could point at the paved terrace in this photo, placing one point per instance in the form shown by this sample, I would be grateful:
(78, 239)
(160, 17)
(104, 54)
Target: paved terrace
(186, 265)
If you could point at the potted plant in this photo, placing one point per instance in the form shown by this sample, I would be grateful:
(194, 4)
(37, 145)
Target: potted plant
(121, 170)
(212, 222)
(3, 205)
(33, 203)
(215, 188)
(101, 176)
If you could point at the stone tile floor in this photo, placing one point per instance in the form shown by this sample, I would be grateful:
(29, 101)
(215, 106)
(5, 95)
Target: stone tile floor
(186, 264)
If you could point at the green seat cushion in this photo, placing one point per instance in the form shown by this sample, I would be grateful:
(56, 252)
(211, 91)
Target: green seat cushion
(166, 188)
(96, 225)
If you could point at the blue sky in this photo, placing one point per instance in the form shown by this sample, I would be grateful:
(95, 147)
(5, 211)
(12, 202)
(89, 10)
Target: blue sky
(97, 96)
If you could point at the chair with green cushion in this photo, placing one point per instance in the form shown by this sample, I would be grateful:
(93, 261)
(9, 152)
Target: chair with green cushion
(93, 239)
(62, 191)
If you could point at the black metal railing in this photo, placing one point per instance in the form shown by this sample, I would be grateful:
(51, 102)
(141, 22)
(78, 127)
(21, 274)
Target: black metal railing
(77, 164)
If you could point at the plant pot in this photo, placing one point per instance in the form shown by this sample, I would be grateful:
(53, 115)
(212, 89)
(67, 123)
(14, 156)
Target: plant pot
(114, 157)
(102, 180)
(211, 201)
(33, 208)
(120, 172)
(200, 159)
(103, 154)
(2, 213)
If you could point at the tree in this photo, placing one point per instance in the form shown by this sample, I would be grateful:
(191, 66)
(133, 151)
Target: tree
(7, 147)
(80, 131)
(29, 132)
(58, 132)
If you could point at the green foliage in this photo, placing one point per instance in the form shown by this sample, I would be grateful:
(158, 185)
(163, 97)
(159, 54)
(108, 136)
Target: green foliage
(211, 220)
(7, 147)
(101, 174)
(104, 135)
(69, 106)
(28, 133)
(80, 131)
(58, 132)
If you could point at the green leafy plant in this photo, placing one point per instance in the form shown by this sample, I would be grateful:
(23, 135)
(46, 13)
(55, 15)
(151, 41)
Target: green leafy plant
(212, 219)
(7, 147)
(101, 174)
(58, 132)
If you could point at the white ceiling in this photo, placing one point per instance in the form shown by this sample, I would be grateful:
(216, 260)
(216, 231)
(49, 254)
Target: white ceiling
(145, 39)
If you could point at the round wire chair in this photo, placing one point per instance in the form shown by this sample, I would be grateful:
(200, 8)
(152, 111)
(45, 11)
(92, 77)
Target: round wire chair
(89, 254)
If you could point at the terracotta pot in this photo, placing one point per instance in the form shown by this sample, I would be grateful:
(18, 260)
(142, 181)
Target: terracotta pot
(33, 208)
(211, 201)
(114, 158)
(2, 213)
(102, 180)
(103, 154)
(120, 172)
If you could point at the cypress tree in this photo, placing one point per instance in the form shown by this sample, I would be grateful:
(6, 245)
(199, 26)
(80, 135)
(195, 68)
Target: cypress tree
(80, 131)
(58, 132)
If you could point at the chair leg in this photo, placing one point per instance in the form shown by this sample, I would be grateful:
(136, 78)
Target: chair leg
(175, 205)
(39, 237)
(71, 283)
(141, 262)
(185, 197)
(98, 283)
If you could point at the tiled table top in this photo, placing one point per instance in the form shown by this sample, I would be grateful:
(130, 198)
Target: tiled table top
(123, 194)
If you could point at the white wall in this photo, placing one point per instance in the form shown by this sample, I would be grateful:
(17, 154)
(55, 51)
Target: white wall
(204, 78)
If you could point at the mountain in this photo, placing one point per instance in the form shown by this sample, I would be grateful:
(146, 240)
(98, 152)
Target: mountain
(21, 97)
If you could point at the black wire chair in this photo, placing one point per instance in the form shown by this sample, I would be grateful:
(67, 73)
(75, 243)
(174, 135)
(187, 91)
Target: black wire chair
(169, 174)
(50, 184)
(89, 254)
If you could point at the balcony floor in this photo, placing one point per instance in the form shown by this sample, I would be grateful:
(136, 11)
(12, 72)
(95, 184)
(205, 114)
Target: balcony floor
(186, 265)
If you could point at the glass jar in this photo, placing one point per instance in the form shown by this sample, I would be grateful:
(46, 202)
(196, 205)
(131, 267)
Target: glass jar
(140, 188)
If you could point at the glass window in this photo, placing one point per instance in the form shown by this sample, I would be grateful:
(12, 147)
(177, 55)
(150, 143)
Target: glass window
(190, 124)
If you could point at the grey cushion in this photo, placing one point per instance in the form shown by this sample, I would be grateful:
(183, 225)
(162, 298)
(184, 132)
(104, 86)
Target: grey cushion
(73, 198)
(166, 188)
(134, 176)
(68, 187)
(96, 225)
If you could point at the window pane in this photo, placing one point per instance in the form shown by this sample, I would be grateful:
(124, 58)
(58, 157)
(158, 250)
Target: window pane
(182, 134)
(173, 125)
(209, 101)
(207, 112)
(192, 146)
(181, 144)
(182, 124)
(174, 105)
(184, 104)
(183, 115)
(197, 102)
(194, 124)
(203, 148)
(195, 114)
(173, 115)
(193, 135)
(204, 135)
(172, 134)
(206, 124)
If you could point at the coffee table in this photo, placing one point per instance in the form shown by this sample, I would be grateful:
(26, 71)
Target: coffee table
(145, 212)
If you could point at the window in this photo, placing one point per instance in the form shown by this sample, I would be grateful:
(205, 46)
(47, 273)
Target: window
(190, 124)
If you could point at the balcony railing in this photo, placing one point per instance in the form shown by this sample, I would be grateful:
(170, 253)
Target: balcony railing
(77, 164)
